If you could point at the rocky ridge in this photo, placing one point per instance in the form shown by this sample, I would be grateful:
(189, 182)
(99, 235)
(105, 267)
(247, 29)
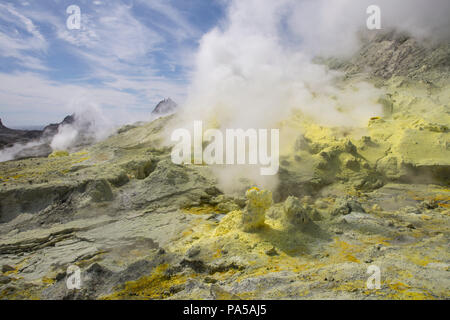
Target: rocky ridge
(165, 107)
(10, 136)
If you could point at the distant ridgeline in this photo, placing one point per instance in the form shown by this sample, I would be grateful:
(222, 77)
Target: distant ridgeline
(9, 137)
(40, 140)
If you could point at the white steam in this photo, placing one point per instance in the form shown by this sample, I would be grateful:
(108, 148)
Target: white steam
(253, 70)
(91, 125)
(9, 153)
(330, 28)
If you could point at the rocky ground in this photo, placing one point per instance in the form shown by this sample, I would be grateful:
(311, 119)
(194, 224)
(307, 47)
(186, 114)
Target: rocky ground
(140, 227)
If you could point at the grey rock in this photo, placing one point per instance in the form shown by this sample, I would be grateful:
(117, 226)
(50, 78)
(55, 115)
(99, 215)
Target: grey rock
(99, 191)
(165, 107)
(7, 268)
(39, 151)
(192, 252)
(4, 279)
(9, 137)
(295, 212)
(344, 206)
(272, 252)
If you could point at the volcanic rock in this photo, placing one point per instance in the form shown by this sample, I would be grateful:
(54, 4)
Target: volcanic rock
(165, 107)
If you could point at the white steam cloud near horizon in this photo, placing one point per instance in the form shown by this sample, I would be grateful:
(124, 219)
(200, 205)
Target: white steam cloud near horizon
(90, 125)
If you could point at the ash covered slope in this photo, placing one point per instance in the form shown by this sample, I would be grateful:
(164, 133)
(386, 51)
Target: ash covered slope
(410, 143)
(141, 227)
(389, 54)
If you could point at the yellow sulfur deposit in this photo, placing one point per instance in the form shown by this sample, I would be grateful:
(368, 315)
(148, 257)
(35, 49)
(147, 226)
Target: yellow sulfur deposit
(58, 154)
(253, 216)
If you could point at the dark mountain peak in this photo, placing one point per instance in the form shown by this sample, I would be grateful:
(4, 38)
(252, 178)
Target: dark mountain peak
(3, 128)
(165, 106)
(52, 128)
(69, 119)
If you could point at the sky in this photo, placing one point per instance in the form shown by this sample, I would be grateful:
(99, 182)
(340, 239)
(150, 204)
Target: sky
(126, 57)
(130, 54)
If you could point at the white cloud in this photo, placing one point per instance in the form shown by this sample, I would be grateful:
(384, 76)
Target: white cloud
(29, 98)
(330, 27)
(117, 50)
(177, 25)
(20, 39)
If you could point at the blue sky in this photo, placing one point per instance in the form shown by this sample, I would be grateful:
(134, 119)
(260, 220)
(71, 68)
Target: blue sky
(127, 56)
